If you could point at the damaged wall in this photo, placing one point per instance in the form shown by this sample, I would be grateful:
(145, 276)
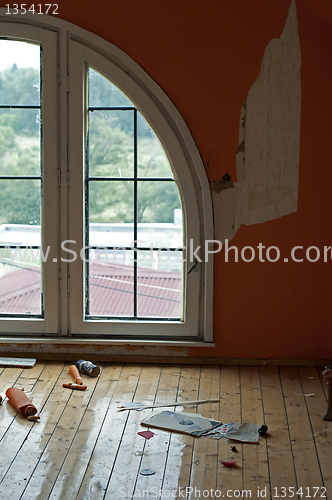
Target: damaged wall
(267, 156)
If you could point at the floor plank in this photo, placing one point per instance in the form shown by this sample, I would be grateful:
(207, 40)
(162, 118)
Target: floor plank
(230, 411)
(8, 378)
(19, 473)
(255, 464)
(303, 447)
(205, 456)
(280, 457)
(322, 430)
(132, 446)
(50, 463)
(73, 468)
(180, 451)
(155, 449)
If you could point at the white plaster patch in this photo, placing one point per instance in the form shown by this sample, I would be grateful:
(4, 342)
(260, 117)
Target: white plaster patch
(267, 157)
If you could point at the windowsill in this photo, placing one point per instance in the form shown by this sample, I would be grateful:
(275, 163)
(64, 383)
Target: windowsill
(104, 342)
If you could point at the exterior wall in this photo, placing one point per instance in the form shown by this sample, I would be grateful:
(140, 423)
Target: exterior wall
(206, 56)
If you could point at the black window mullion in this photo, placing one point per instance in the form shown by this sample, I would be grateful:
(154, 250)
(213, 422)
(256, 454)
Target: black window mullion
(96, 178)
(18, 106)
(111, 108)
(20, 177)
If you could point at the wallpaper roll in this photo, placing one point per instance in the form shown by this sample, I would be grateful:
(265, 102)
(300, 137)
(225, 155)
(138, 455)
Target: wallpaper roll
(21, 402)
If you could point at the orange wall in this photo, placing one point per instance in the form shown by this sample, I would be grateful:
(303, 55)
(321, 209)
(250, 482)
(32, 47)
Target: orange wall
(205, 55)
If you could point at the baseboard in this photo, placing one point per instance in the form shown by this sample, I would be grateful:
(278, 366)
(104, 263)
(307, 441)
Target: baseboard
(107, 358)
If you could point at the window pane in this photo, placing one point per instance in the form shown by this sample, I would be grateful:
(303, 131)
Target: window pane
(118, 210)
(159, 214)
(111, 143)
(20, 283)
(19, 73)
(152, 159)
(103, 93)
(111, 285)
(159, 288)
(20, 202)
(20, 142)
(111, 213)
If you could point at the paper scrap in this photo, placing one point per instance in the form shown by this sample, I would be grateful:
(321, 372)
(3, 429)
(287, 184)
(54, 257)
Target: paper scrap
(217, 432)
(229, 463)
(246, 432)
(146, 434)
(305, 395)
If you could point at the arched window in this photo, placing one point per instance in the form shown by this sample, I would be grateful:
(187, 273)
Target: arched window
(101, 172)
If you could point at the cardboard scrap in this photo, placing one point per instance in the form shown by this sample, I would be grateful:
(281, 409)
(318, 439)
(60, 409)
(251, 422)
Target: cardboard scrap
(186, 423)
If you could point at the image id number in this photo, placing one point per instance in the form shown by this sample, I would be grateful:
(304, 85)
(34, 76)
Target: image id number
(51, 8)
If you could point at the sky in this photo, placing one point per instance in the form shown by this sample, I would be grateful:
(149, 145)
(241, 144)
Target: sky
(25, 55)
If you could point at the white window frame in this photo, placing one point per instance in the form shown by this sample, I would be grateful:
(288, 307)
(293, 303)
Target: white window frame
(75, 49)
(47, 39)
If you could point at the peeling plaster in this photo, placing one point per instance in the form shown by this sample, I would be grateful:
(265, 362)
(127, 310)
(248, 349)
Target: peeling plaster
(267, 156)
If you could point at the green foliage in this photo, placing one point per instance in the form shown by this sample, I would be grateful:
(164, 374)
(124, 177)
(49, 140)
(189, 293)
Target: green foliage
(7, 139)
(19, 86)
(110, 154)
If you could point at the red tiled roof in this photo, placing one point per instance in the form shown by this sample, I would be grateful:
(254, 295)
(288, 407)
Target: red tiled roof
(111, 291)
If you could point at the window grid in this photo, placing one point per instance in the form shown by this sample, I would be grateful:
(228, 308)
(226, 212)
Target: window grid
(32, 247)
(135, 179)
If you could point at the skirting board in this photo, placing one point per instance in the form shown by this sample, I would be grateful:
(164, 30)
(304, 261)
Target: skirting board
(180, 360)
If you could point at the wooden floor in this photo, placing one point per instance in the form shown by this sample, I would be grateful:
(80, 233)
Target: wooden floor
(83, 448)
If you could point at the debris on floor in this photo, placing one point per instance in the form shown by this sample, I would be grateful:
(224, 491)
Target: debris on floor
(74, 372)
(187, 423)
(21, 402)
(147, 472)
(229, 463)
(75, 386)
(141, 406)
(305, 395)
(34, 418)
(78, 381)
(245, 433)
(217, 432)
(87, 368)
(18, 362)
(263, 430)
(146, 434)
